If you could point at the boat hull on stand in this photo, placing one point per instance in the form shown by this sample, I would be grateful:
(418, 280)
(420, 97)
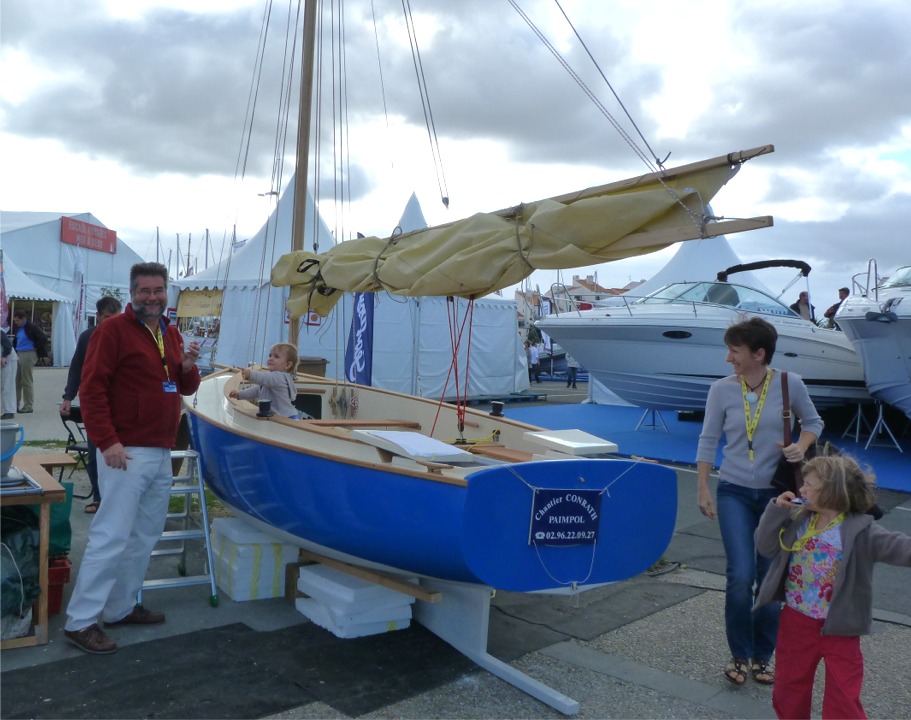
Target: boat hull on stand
(468, 520)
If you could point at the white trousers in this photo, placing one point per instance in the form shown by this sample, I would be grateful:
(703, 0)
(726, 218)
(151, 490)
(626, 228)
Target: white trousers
(122, 536)
(8, 382)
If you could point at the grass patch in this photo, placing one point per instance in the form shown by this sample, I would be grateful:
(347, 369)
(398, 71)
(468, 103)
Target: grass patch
(49, 444)
(214, 506)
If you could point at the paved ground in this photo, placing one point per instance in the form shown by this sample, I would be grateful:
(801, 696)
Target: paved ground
(649, 648)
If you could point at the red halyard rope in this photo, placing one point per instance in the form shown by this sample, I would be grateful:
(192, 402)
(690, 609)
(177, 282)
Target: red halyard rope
(456, 331)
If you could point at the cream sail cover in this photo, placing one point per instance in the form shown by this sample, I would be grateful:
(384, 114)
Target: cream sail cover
(490, 251)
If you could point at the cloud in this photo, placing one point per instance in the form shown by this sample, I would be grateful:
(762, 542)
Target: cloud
(157, 94)
(162, 93)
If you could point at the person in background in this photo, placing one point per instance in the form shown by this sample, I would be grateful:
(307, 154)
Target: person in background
(275, 383)
(803, 308)
(823, 553)
(135, 371)
(747, 408)
(572, 369)
(30, 344)
(106, 307)
(534, 363)
(10, 365)
(842, 294)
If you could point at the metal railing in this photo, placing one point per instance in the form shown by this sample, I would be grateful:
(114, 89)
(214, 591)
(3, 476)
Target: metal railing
(861, 282)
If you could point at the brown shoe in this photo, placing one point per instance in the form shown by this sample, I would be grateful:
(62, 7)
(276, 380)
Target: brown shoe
(138, 616)
(92, 640)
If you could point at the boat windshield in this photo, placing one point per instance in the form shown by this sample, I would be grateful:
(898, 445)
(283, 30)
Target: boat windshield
(719, 293)
(900, 278)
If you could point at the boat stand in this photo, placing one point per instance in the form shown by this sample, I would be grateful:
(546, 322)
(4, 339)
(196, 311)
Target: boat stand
(461, 618)
(881, 426)
(857, 425)
(185, 486)
(656, 422)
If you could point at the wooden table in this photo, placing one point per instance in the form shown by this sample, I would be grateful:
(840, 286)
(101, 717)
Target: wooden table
(37, 467)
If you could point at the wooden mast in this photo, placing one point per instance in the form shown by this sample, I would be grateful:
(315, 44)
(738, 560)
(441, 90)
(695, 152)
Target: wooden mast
(299, 221)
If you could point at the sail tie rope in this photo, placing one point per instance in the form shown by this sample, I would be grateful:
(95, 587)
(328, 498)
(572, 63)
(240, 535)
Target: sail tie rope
(523, 253)
(396, 234)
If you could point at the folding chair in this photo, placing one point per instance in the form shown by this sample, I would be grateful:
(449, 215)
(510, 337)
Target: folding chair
(76, 442)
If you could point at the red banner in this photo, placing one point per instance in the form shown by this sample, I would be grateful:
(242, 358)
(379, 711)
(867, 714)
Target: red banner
(83, 234)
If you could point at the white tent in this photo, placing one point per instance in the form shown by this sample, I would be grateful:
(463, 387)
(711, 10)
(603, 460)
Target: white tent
(698, 261)
(33, 242)
(22, 290)
(253, 314)
(412, 349)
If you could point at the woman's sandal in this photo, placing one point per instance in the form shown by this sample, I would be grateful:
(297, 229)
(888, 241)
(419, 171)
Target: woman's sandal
(91, 508)
(736, 671)
(762, 673)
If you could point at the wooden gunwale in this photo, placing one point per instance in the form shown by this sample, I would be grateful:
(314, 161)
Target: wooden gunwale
(430, 474)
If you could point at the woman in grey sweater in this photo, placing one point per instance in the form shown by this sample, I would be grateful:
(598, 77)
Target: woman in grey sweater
(746, 408)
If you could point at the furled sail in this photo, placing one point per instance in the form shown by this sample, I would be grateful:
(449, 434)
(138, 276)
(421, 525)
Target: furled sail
(491, 251)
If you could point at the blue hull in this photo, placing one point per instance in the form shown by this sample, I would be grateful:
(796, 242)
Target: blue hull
(474, 531)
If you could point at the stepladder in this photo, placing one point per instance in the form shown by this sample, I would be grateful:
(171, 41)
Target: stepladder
(187, 523)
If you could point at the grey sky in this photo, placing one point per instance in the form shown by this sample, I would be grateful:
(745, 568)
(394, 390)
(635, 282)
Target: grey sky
(164, 96)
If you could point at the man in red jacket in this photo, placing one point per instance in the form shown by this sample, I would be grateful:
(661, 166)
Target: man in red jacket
(135, 371)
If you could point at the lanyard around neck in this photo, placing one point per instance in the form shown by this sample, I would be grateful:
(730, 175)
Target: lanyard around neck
(159, 341)
(752, 422)
(810, 533)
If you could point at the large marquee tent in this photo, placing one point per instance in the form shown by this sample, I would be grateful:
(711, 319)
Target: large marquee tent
(69, 260)
(412, 335)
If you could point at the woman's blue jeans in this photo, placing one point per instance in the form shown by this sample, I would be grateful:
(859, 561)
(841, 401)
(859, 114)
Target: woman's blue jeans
(751, 634)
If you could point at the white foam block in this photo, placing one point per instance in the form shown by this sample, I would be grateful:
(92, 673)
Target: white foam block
(347, 594)
(375, 615)
(249, 564)
(413, 445)
(320, 615)
(572, 442)
(243, 533)
(249, 578)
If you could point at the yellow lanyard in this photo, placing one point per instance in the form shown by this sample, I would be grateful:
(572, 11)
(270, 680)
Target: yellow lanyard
(810, 533)
(753, 422)
(159, 340)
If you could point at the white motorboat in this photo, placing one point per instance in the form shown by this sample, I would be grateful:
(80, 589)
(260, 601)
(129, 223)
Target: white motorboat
(877, 320)
(664, 350)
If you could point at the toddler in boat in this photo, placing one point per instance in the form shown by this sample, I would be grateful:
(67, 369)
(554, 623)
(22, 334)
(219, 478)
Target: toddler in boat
(275, 383)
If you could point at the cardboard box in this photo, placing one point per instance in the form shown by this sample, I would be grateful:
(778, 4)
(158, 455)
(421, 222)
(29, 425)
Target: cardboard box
(249, 564)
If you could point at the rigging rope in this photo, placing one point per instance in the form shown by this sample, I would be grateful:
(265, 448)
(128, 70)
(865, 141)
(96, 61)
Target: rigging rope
(659, 163)
(379, 63)
(455, 342)
(425, 103)
(697, 219)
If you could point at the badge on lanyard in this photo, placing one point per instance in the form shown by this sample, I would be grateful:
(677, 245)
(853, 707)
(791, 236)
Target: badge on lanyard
(169, 386)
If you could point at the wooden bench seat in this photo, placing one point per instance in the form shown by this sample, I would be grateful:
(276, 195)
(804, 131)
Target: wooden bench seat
(411, 424)
(499, 452)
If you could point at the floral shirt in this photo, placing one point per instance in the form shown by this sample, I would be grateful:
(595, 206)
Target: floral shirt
(811, 573)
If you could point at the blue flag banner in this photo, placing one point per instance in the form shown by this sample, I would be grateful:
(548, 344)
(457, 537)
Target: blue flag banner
(359, 353)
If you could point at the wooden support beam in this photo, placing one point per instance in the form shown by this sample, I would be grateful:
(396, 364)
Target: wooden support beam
(668, 236)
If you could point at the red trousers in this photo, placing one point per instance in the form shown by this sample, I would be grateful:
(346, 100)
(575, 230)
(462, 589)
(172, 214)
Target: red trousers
(800, 647)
